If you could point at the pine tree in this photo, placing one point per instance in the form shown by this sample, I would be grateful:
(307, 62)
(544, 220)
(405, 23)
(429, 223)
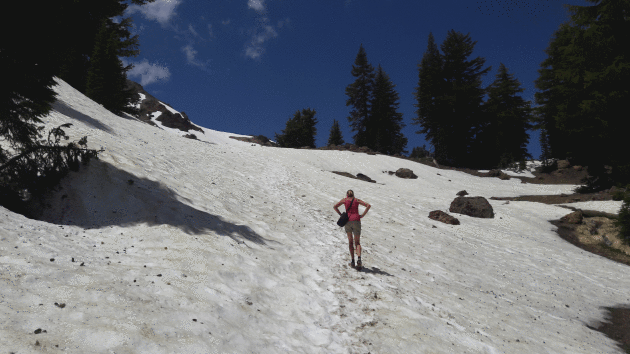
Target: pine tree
(428, 95)
(300, 130)
(106, 79)
(359, 96)
(384, 123)
(449, 98)
(503, 135)
(463, 93)
(591, 67)
(335, 137)
(77, 25)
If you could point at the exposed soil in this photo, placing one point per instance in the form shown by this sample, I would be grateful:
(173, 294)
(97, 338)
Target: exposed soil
(561, 198)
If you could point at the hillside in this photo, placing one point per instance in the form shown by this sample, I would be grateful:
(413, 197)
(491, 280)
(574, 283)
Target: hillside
(174, 245)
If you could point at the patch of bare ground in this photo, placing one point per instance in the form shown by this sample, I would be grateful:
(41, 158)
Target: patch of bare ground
(560, 198)
(598, 235)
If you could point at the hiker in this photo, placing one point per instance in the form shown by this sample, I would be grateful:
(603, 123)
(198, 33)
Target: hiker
(354, 223)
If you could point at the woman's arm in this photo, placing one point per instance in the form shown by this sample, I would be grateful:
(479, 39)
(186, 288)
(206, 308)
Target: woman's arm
(336, 206)
(366, 205)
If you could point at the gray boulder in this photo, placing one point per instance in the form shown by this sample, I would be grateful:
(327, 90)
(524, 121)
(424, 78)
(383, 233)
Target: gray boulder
(462, 193)
(477, 207)
(441, 216)
(405, 173)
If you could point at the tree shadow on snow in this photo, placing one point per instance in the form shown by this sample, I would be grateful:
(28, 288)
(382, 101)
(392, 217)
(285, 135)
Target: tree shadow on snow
(616, 326)
(66, 110)
(101, 195)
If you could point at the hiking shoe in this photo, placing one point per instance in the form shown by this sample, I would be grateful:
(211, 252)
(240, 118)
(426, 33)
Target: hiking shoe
(359, 266)
(351, 264)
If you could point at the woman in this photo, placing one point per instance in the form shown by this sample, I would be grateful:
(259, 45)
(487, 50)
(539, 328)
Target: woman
(354, 223)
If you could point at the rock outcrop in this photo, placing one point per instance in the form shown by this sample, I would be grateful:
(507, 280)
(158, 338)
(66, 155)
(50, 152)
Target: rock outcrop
(477, 207)
(150, 105)
(441, 216)
(573, 218)
(405, 173)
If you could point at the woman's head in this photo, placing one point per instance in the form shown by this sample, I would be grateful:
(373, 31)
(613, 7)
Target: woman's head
(350, 193)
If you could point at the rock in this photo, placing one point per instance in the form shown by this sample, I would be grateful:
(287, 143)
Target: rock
(462, 193)
(577, 168)
(563, 164)
(363, 177)
(573, 218)
(405, 173)
(441, 216)
(191, 136)
(477, 207)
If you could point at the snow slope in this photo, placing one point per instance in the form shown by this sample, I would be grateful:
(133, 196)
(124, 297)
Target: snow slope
(222, 246)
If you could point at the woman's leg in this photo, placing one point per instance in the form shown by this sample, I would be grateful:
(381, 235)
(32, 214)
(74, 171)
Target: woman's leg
(350, 245)
(357, 244)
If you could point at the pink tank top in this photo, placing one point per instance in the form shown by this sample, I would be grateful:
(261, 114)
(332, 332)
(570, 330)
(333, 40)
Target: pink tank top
(353, 212)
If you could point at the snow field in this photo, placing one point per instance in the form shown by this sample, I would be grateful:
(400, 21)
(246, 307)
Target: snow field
(220, 246)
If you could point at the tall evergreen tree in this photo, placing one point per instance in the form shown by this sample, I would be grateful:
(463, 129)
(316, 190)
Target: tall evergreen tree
(428, 95)
(449, 98)
(78, 45)
(503, 136)
(594, 65)
(335, 137)
(554, 92)
(359, 96)
(106, 79)
(385, 122)
(463, 93)
(299, 131)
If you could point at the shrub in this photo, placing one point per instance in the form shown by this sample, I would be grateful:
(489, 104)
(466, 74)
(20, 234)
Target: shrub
(623, 222)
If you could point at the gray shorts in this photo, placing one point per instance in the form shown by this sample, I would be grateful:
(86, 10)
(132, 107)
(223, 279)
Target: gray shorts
(354, 227)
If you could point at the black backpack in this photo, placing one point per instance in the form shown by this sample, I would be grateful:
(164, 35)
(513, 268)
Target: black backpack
(343, 219)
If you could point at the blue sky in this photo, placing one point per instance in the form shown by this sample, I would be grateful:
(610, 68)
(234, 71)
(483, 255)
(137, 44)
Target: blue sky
(246, 66)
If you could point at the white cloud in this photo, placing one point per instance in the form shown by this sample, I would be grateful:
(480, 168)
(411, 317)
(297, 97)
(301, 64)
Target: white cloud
(192, 30)
(210, 32)
(160, 10)
(148, 73)
(191, 56)
(257, 5)
(255, 47)
(226, 22)
(283, 22)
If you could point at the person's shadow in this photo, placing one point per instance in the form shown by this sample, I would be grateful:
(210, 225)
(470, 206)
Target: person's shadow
(101, 195)
(374, 270)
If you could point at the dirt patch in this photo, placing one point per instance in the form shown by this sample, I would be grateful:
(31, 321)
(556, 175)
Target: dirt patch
(560, 198)
(598, 230)
(579, 235)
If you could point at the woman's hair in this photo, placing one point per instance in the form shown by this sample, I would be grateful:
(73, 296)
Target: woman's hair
(350, 193)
